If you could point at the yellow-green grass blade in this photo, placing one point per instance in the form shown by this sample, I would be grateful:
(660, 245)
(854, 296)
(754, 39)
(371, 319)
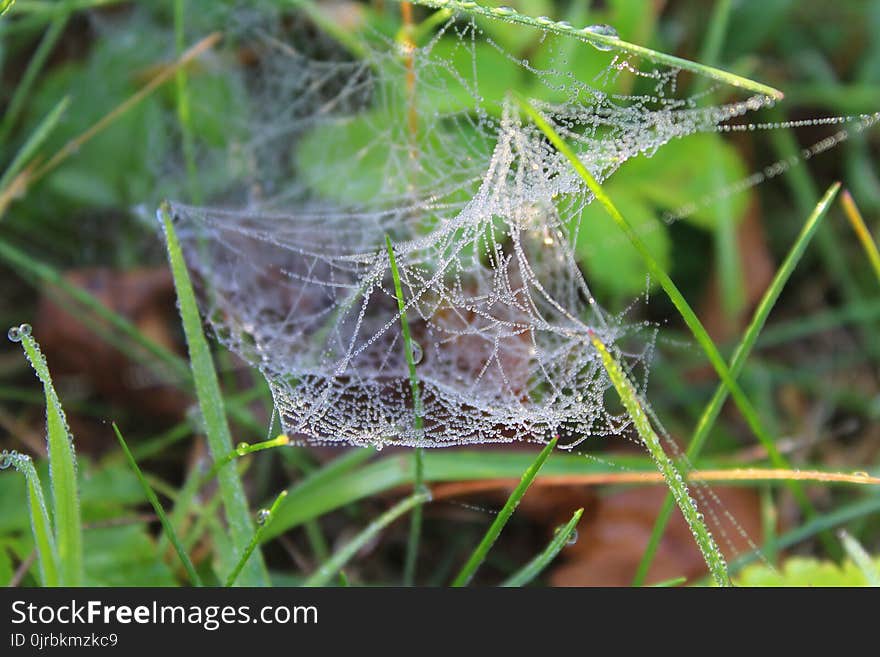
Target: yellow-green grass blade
(160, 512)
(479, 554)
(62, 469)
(630, 398)
(862, 232)
(537, 565)
(330, 568)
(213, 409)
(41, 526)
(737, 363)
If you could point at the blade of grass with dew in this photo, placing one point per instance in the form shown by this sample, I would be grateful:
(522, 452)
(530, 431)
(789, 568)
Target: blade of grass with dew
(688, 315)
(62, 469)
(35, 64)
(412, 548)
(264, 518)
(34, 141)
(861, 229)
(537, 565)
(331, 567)
(41, 526)
(630, 398)
(212, 406)
(160, 512)
(602, 41)
(737, 363)
(860, 557)
(479, 554)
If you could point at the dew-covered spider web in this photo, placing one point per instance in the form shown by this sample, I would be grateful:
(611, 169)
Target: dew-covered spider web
(339, 146)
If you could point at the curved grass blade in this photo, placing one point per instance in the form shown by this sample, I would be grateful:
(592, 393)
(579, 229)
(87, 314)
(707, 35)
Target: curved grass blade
(330, 568)
(480, 552)
(737, 362)
(534, 568)
(412, 547)
(264, 518)
(62, 471)
(601, 41)
(160, 512)
(687, 314)
(861, 229)
(41, 526)
(212, 407)
(630, 398)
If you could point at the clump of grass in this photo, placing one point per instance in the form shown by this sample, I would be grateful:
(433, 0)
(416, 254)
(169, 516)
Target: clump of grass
(62, 469)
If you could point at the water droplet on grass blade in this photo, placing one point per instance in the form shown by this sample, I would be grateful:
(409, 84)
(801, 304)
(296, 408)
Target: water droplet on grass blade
(262, 516)
(417, 353)
(602, 30)
(17, 333)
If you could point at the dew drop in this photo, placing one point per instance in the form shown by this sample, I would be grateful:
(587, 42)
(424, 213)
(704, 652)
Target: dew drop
(262, 516)
(602, 30)
(572, 537)
(241, 449)
(861, 474)
(5, 459)
(17, 333)
(417, 353)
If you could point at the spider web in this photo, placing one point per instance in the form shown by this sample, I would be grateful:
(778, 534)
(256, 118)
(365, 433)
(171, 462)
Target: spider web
(424, 145)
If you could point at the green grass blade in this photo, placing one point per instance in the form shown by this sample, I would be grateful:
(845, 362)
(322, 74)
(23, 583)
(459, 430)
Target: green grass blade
(537, 565)
(34, 141)
(412, 548)
(264, 518)
(331, 568)
(35, 65)
(860, 557)
(667, 583)
(862, 232)
(630, 398)
(602, 41)
(41, 526)
(184, 115)
(212, 407)
(737, 362)
(479, 554)
(160, 512)
(688, 315)
(62, 468)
